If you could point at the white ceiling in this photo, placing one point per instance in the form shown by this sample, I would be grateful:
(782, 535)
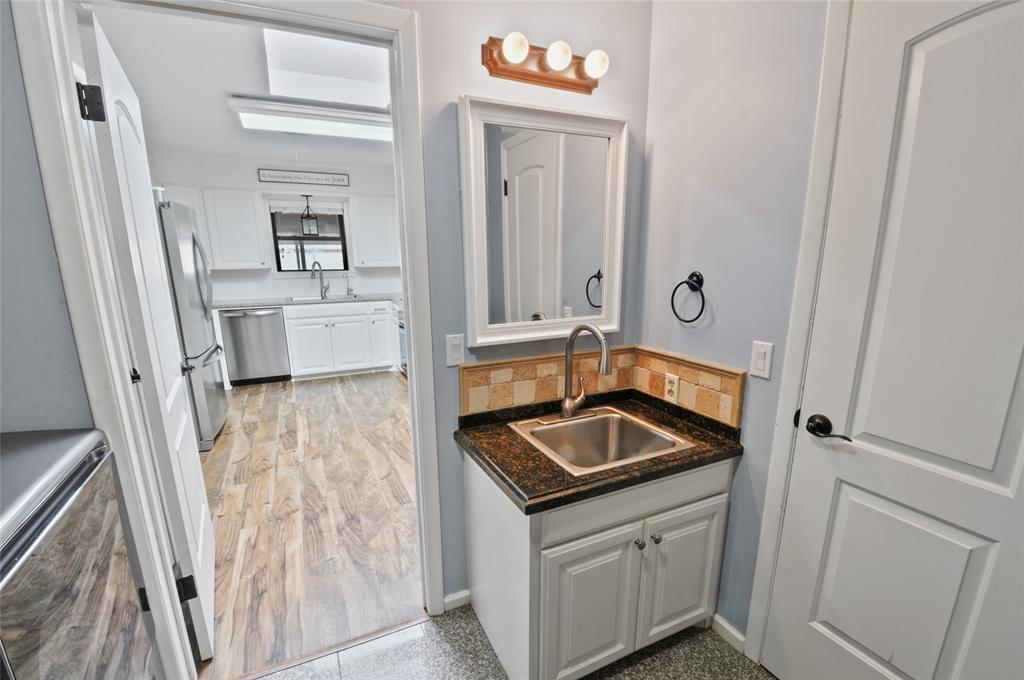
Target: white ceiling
(184, 68)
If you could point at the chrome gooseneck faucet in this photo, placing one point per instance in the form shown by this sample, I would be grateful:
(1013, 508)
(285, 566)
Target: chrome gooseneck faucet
(572, 404)
(318, 268)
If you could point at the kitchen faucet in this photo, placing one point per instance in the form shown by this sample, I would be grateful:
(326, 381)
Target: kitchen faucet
(318, 268)
(572, 404)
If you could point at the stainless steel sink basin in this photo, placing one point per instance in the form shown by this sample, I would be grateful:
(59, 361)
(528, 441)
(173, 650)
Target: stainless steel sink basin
(598, 439)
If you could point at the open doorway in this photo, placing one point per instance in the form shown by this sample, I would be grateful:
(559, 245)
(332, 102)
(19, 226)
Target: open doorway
(271, 259)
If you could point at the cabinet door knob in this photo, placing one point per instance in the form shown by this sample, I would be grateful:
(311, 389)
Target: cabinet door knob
(656, 538)
(640, 543)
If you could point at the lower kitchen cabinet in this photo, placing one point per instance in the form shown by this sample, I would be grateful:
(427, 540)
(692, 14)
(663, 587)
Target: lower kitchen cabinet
(309, 346)
(350, 341)
(564, 592)
(382, 331)
(338, 337)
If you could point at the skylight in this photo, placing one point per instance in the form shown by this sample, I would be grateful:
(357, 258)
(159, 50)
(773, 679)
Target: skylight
(310, 119)
(323, 69)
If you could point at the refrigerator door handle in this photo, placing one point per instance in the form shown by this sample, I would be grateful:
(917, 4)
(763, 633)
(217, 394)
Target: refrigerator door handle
(203, 269)
(213, 355)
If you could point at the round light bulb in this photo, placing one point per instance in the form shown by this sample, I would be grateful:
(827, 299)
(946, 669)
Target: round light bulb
(515, 47)
(596, 64)
(559, 55)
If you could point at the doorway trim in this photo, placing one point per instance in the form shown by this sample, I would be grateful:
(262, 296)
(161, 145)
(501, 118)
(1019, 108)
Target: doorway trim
(801, 317)
(47, 42)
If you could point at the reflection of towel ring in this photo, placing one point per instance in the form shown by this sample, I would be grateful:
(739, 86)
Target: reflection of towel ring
(597, 276)
(695, 282)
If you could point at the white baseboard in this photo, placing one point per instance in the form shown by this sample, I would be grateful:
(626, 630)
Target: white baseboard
(736, 639)
(456, 599)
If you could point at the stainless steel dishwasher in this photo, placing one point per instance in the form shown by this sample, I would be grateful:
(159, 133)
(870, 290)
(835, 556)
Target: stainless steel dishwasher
(255, 344)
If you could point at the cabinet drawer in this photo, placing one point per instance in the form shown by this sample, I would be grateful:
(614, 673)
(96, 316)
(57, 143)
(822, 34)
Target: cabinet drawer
(585, 517)
(328, 309)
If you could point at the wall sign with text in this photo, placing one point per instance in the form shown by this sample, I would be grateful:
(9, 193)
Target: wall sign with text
(334, 179)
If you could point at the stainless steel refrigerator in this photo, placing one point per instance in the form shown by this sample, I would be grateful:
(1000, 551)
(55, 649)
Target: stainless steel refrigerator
(193, 297)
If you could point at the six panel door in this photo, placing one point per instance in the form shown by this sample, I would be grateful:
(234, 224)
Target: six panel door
(679, 575)
(589, 589)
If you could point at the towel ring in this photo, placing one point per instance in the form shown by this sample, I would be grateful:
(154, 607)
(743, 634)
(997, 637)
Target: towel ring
(597, 276)
(695, 282)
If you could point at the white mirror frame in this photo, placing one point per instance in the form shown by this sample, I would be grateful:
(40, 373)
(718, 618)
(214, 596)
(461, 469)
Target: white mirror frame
(474, 113)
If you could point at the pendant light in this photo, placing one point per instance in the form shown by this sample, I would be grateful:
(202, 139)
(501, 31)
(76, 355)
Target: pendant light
(308, 219)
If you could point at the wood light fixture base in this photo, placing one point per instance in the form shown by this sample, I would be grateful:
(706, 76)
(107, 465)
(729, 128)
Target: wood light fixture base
(534, 70)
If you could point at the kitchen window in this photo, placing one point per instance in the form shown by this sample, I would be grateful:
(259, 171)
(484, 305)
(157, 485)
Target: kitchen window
(296, 252)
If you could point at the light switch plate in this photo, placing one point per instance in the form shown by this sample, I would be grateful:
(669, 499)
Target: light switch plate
(455, 349)
(761, 359)
(671, 387)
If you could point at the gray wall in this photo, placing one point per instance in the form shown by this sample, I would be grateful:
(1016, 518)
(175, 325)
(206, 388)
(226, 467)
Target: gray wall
(450, 37)
(41, 384)
(731, 107)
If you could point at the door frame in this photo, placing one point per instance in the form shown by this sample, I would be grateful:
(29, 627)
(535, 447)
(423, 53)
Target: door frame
(801, 318)
(47, 43)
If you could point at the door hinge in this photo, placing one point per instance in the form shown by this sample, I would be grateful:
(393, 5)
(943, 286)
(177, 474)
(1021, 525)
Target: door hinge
(796, 418)
(505, 187)
(143, 600)
(186, 586)
(90, 102)
(134, 375)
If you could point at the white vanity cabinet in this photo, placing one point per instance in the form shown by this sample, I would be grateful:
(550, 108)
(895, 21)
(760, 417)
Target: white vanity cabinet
(237, 226)
(566, 591)
(337, 337)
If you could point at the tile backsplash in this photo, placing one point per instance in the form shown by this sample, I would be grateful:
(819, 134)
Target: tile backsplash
(710, 389)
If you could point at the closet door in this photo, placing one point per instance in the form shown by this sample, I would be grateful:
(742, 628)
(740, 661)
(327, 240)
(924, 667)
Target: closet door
(679, 576)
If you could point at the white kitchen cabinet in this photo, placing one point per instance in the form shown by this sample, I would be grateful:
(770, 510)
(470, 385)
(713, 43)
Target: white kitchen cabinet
(238, 229)
(589, 589)
(381, 331)
(681, 563)
(350, 339)
(374, 232)
(310, 346)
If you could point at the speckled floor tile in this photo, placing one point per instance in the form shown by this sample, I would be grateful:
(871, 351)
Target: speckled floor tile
(324, 668)
(455, 647)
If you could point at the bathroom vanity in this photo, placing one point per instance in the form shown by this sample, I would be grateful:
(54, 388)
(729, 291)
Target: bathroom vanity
(569, 572)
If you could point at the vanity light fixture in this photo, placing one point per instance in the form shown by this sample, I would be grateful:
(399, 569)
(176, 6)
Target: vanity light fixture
(513, 57)
(308, 219)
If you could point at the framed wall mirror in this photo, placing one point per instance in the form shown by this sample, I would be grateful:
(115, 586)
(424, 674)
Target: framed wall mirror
(543, 210)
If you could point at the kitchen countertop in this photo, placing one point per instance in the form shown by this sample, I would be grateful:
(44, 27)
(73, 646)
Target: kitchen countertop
(536, 483)
(287, 301)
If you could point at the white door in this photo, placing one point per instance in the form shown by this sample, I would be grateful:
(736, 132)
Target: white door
(350, 340)
(679, 577)
(588, 591)
(148, 301)
(381, 333)
(236, 221)
(309, 342)
(532, 225)
(375, 232)
(901, 551)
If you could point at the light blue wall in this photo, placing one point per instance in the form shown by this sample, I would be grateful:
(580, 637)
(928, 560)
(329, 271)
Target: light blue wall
(41, 385)
(733, 90)
(450, 37)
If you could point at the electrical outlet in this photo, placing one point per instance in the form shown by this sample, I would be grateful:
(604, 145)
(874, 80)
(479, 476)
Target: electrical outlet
(455, 349)
(671, 387)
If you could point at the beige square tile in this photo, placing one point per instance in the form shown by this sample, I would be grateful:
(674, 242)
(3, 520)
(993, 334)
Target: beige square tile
(525, 372)
(589, 364)
(657, 385)
(547, 368)
(475, 378)
(560, 389)
(477, 399)
(547, 388)
(688, 395)
(607, 382)
(710, 381)
(523, 392)
(501, 395)
(642, 379)
(625, 360)
(624, 377)
(501, 375)
(659, 366)
(707, 402)
(687, 374)
(725, 408)
(643, 361)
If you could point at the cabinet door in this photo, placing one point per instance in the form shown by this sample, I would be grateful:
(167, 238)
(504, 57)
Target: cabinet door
(237, 229)
(375, 232)
(679, 576)
(381, 330)
(588, 590)
(309, 346)
(350, 338)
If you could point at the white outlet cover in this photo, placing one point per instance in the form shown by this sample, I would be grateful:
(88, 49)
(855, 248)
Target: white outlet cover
(455, 349)
(671, 388)
(761, 359)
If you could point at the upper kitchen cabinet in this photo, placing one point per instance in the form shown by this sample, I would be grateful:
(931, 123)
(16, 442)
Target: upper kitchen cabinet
(375, 232)
(235, 222)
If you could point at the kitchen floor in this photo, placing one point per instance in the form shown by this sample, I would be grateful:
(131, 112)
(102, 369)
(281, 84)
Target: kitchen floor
(455, 646)
(312, 491)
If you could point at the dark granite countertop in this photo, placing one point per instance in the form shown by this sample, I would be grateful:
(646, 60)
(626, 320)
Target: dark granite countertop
(536, 483)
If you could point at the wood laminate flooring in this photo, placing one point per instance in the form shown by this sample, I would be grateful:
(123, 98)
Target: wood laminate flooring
(312, 492)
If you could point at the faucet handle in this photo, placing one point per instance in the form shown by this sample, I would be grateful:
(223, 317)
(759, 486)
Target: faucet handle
(583, 390)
